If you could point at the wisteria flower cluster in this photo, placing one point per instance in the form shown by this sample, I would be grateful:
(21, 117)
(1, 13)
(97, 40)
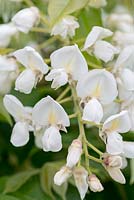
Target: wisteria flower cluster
(103, 97)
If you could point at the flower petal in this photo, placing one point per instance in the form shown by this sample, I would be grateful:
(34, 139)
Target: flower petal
(47, 111)
(71, 59)
(62, 175)
(108, 51)
(25, 19)
(14, 107)
(25, 81)
(114, 144)
(80, 177)
(31, 59)
(128, 148)
(93, 111)
(97, 33)
(51, 140)
(20, 134)
(116, 174)
(59, 77)
(117, 123)
(93, 84)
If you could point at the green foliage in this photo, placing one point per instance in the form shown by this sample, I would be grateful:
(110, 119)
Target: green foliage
(16, 181)
(46, 176)
(59, 8)
(4, 116)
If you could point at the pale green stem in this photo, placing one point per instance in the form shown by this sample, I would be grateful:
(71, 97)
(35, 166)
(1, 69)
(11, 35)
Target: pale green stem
(94, 159)
(39, 30)
(47, 42)
(81, 127)
(65, 100)
(94, 148)
(74, 115)
(93, 65)
(63, 94)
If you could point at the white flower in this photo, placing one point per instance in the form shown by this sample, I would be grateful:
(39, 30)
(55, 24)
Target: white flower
(94, 183)
(6, 32)
(123, 39)
(68, 64)
(8, 72)
(110, 109)
(74, 153)
(121, 21)
(93, 90)
(113, 164)
(128, 149)
(80, 177)
(93, 111)
(22, 116)
(125, 59)
(25, 19)
(65, 27)
(51, 117)
(35, 69)
(95, 44)
(119, 123)
(62, 175)
(97, 3)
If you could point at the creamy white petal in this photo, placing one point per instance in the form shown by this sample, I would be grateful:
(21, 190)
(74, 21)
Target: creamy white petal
(93, 84)
(7, 64)
(94, 183)
(127, 77)
(125, 59)
(14, 107)
(97, 33)
(110, 109)
(80, 177)
(114, 144)
(93, 111)
(6, 32)
(31, 59)
(62, 175)
(74, 153)
(52, 140)
(20, 134)
(59, 77)
(116, 175)
(25, 81)
(128, 148)
(48, 111)
(25, 19)
(71, 59)
(105, 51)
(117, 123)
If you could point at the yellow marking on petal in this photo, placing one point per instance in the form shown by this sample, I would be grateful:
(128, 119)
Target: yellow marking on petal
(114, 125)
(52, 118)
(97, 91)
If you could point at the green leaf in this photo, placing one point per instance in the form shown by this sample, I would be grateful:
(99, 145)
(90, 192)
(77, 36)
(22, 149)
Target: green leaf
(132, 171)
(17, 180)
(47, 173)
(4, 115)
(7, 197)
(88, 18)
(59, 8)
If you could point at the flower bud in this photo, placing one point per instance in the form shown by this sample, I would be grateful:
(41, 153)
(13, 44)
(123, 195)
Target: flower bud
(62, 175)
(74, 153)
(25, 19)
(94, 183)
(80, 176)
